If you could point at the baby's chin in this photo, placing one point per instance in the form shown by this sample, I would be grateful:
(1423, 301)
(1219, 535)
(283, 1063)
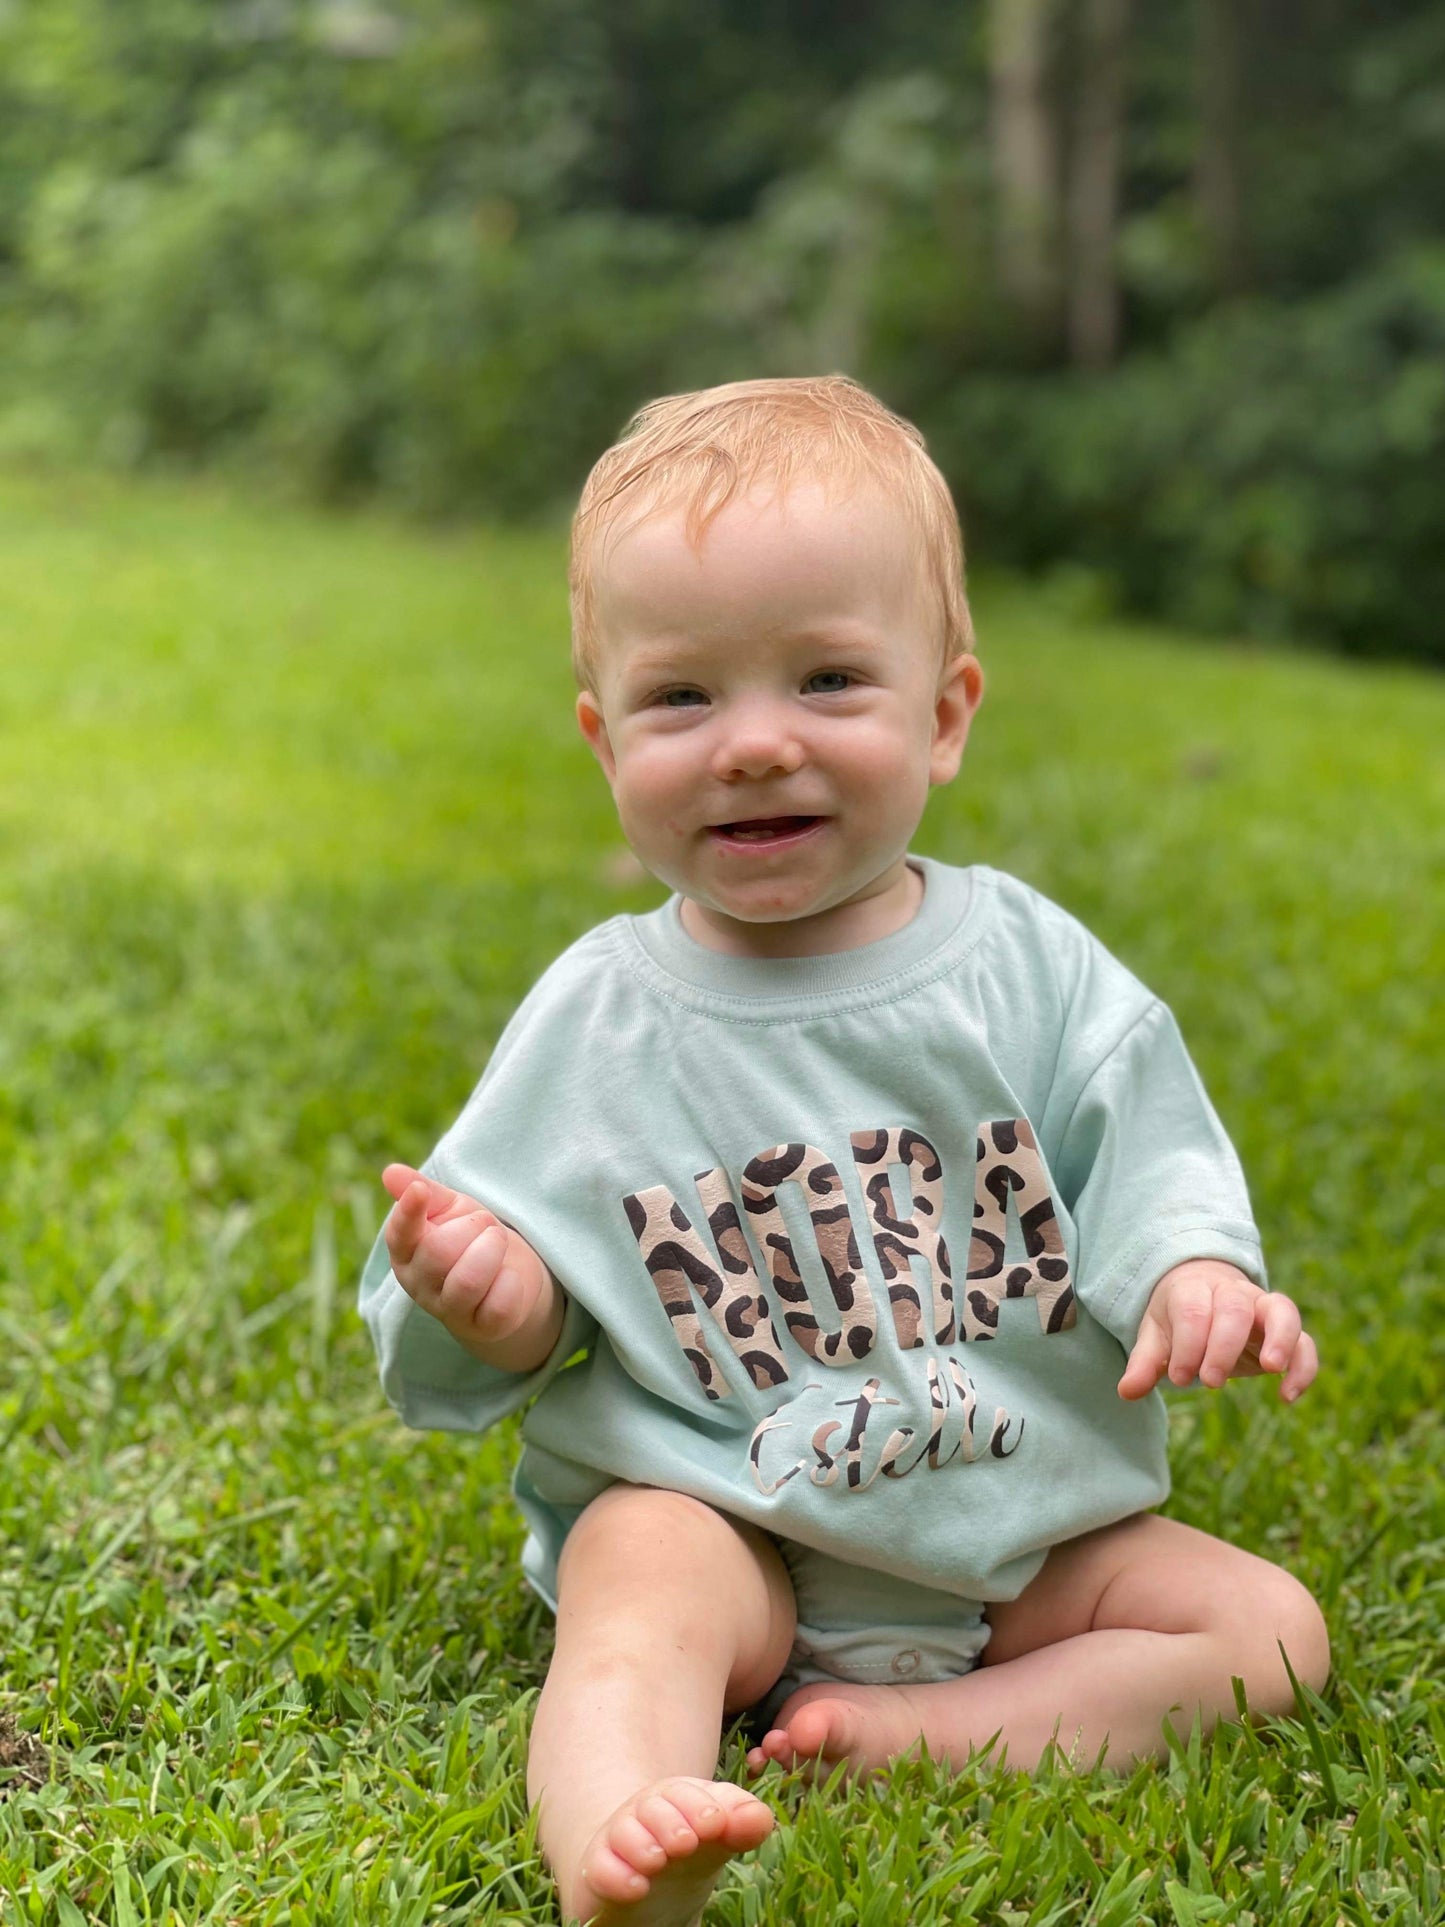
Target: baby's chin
(746, 906)
(847, 923)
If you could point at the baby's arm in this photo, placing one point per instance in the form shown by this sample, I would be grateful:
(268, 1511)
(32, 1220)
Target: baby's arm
(1206, 1317)
(482, 1280)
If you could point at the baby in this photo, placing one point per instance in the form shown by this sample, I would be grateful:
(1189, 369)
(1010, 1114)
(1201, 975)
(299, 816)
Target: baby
(840, 1216)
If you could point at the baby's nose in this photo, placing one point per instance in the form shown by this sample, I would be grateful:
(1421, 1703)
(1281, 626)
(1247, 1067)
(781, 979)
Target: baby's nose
(758, 740)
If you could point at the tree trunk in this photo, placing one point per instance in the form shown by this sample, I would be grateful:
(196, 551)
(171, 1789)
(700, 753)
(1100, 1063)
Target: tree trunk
(1216, 160)
(1093, 200)
(1025, 159)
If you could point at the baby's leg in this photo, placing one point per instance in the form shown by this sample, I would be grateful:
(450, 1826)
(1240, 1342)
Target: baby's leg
(669, 1615)
(1119, 1628)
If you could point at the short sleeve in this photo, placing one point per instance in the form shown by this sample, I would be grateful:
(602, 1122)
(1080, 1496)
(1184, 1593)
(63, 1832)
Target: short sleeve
(1149, 1176)
(432, 1381)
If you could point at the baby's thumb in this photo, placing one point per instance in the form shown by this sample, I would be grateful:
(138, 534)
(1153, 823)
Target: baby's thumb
(396, 1178)
(1147, 1361)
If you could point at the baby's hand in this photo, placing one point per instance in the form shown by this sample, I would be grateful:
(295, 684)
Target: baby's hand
(460, 1262)
(1205, 1317)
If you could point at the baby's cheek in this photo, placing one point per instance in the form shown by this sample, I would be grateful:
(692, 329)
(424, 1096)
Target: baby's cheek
(648, 830)
(656, 817)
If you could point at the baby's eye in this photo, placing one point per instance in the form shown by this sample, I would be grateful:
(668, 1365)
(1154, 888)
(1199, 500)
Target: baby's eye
(835, 679)
(681, 698)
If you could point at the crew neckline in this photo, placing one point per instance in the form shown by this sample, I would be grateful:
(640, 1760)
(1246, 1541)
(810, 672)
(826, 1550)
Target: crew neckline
(661, 947)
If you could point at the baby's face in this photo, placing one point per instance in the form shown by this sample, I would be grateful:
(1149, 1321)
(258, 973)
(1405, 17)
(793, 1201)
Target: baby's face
(771, 710)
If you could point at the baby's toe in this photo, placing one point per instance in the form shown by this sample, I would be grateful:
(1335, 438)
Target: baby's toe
(635, 1840)
(820, 1727)
(609, 1877)
(664, 1813)
(697, 1803)
(746, 1820)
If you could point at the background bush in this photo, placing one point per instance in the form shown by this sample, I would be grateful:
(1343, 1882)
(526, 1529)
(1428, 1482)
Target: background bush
(440, 249)
(1279, 466)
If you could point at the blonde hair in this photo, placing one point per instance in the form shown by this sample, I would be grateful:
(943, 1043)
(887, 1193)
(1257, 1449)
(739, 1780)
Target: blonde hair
(704, 449)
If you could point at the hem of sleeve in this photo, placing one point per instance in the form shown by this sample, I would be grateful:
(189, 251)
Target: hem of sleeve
(1122, 1312)
(492, 1394)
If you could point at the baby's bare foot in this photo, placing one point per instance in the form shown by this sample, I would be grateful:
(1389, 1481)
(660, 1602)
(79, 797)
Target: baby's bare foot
(823, 1726)
(653, 1864)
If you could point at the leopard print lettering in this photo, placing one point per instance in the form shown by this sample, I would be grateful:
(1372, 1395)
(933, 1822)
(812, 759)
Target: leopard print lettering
(897, 1239)
(1009, 1165)
(851, 1457)
(817, 1178)
(679, 1264)
(774, 1422)
(938, 1399)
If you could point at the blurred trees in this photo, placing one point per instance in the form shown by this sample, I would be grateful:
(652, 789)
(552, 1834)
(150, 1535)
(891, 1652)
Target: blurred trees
(1164, 285)
(1025, 160)
(1093, 191)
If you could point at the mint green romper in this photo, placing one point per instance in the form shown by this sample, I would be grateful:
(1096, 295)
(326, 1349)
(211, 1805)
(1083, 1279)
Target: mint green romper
(854, 1247)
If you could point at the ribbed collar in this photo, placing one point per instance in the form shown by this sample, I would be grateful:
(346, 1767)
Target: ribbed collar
(660, 950)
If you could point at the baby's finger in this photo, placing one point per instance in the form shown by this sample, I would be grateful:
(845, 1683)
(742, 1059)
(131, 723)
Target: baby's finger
(442, 1244)
(397, 1177)
(1146, 1362)
(473, 1271)
(1191, 1315)
(441, 1200)
(1281, 1331)
(424, 1248)
(1231, 1327)
(1303, 1366)
(406, 1223)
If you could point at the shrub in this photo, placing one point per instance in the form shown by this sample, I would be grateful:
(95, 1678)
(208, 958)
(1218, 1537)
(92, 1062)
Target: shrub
(1277, 470)
(297, 308)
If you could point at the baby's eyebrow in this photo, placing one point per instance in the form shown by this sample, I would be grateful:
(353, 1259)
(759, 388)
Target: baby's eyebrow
(851, 642)
(649, 662)
(690, 653)
(643, 673)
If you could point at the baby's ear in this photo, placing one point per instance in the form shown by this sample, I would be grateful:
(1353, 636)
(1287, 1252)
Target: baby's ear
(590, 722)
(959, 694)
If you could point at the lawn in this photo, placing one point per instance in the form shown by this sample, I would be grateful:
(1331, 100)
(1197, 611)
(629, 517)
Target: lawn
(292, 811)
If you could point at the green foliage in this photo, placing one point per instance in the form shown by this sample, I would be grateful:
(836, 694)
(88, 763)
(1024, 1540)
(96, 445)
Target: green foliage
(292, 813)
(439, 250)
(1277, 470)
(314, 287)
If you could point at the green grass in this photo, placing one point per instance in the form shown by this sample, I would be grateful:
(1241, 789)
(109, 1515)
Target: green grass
(291, 813)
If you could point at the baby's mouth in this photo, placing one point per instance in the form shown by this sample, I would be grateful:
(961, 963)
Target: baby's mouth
(764, 829)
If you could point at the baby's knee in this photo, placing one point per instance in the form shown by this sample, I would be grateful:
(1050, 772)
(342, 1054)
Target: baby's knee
(643, 1558)
(635, 1535)
(1303, 1633)
(1277, 1611)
